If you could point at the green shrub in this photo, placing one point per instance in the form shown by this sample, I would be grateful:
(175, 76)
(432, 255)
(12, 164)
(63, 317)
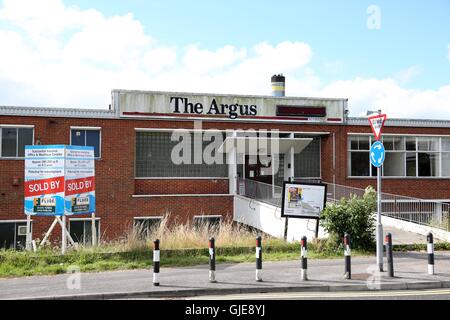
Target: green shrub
(355, 216)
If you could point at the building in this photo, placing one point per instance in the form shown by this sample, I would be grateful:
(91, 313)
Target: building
(137, 144)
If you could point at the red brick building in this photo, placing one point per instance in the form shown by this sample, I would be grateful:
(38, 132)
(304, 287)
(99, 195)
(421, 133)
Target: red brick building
(138, 141)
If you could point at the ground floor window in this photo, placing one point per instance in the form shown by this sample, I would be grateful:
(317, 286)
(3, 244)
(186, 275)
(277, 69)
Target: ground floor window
(207, 221)
(143, 226)
(13, 235)
(81, 230)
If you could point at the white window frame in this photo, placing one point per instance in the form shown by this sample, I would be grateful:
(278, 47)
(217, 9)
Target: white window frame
(416, 152)
(15, 228)
(15, 126)
(84, 230)
(99, 129)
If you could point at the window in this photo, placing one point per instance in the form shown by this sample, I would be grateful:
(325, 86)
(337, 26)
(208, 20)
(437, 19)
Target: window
(143, 226)
(10, 237)
(307, 162)
(154, 158)
(359, 163)
(208, 221)
(81, 230)
(86, 137)
(14, 140)
(405, 156)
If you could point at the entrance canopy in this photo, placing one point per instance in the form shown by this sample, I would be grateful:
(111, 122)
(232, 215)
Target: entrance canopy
(258, 145)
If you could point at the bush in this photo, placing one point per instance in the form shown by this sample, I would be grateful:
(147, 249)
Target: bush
(354, 216)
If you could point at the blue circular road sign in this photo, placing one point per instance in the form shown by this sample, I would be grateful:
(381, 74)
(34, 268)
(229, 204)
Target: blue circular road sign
(377, 154)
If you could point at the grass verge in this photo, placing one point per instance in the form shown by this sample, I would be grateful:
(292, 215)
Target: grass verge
(17, 264)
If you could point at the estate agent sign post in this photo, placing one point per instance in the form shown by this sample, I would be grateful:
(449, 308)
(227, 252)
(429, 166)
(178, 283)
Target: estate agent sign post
(59, 181)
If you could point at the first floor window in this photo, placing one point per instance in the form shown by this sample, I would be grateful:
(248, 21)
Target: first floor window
(405, 157)
(86, 137)
(159, 155)
(14, 140)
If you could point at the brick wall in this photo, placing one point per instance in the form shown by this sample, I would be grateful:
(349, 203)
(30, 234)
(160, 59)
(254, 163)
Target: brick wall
(181, 186)
(116, 185)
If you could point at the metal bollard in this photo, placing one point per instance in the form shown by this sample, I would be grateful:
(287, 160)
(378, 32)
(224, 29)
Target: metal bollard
(390, 259)
(430, 251)
(212, 260)
(156, 262)
(348, 257)
(304, 253)
(258, 258)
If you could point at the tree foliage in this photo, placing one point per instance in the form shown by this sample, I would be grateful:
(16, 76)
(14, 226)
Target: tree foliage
(355, 216)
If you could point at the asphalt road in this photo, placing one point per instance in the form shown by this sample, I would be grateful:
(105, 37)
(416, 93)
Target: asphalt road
(436, 294)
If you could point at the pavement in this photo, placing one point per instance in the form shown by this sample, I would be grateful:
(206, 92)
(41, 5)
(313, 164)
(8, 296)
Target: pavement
(405, 237)
(325, 275)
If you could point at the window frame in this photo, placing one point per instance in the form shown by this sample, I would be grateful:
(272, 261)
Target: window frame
(84, 220)
(99, 129)
(16, 222)
(136, 219)
(206, 216)
(153, 130)
(416, 152)
(17, 127)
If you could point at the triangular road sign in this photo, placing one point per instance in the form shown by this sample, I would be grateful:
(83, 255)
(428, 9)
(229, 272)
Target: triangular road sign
(376, 123)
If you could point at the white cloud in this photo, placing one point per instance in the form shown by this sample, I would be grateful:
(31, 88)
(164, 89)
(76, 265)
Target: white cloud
(406, 75)
(390, 97)
(56, 55)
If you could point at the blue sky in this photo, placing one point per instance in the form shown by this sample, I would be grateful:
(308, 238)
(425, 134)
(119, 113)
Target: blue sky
(325, 48)
(412, 33)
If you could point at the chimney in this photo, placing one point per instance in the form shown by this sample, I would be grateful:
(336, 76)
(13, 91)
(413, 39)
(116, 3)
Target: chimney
(278, 85)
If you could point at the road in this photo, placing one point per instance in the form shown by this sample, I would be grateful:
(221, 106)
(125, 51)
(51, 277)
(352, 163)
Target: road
(436, 294)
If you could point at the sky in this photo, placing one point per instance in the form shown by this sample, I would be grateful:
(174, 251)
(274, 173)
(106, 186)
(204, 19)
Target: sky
(388, 55)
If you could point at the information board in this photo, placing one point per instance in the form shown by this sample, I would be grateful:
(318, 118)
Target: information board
(303, 200)
(59, 180)
(44, 180)
(79, 180)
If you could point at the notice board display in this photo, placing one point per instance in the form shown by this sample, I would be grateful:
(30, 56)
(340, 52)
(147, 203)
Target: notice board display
(59, 180)
(303, 200)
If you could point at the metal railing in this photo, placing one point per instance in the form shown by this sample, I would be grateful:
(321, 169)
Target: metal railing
(421, 211)
(426, 212)
(260, 191)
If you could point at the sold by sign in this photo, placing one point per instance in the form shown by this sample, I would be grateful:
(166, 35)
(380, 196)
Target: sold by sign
(55, 175)
(376, 123)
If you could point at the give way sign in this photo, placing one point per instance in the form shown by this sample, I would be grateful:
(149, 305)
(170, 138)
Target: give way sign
(376, 123)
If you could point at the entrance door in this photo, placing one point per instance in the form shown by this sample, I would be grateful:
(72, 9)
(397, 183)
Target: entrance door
(258, 171)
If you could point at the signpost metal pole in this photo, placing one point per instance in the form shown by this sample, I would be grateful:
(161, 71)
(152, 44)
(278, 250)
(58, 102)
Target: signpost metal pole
(379, 230)
(377, 155)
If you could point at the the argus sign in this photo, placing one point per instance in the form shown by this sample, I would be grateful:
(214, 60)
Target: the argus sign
(59, 180)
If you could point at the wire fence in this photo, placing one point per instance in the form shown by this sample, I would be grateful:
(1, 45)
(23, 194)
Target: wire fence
(421, 211)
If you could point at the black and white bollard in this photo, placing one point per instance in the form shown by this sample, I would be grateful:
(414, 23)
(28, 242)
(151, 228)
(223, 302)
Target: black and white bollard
(212, 260)
(156, 262)
(430, 251)
(304, 253)
(258, 259)
(348, 257)
(390, 259)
